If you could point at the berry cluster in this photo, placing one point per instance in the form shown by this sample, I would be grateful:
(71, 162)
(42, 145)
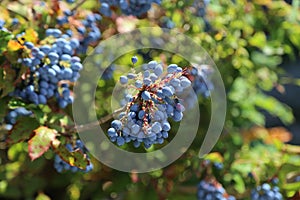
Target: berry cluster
(64, 18)
(266, 192)
(200, 80)
(11, 117)
(51, 66)
(153, 99)
(60, 165)
(87, 29)
(89, 32)
(213, 191)
(131, 7)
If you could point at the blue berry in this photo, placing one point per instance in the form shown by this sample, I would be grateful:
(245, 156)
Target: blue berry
(123, 80)
(167, 91)
(132, 7)
(265, 191)
(134, 59)
(12, 116)
(213, 191)
(146, 95)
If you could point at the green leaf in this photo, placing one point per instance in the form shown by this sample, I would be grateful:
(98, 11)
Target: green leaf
(42, 196)
(262, 59)
(74, 158)
(274, 107)
(3, 107)
(40, 142)
(292, 186)
(7, 78)
(31, 35)
(239, 183)
(258, 40)
(22, 130)
(16, 151)
(16, 103)
(253, 115)
(59, 121)
(38, 114)
(239, 90)
(4, 38)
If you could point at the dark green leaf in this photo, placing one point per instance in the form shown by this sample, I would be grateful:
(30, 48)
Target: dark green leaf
(22, 130)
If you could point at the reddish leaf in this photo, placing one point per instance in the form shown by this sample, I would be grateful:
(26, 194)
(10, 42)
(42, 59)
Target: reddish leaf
(41, 141)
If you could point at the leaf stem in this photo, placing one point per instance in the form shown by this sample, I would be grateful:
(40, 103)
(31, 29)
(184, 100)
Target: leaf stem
(85, 127)
(77, 5)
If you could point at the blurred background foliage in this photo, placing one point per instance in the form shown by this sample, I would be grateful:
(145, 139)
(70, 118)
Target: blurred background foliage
(248, 40)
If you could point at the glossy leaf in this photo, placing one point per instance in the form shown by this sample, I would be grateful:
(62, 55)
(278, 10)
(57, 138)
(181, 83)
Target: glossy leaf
(22, 130)
(74, 158)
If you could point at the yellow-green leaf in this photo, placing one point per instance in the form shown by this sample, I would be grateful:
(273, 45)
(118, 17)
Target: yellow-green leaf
(74, 158)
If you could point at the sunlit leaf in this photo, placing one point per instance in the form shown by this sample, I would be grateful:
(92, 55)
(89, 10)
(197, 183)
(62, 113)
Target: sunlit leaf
(42, 196)
(31, 35)
(14, 45)
(239, 183)
(292, 186)
(258, 40)
(40, 142)
(215, 157)
(274, 107)
(264, 60)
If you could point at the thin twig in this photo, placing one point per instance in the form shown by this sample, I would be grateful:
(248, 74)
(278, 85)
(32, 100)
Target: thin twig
(78, 4)
(85, 127)
(187, 189)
